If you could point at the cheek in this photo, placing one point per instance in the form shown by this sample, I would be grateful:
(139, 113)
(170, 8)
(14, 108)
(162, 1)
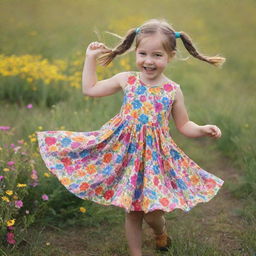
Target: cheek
(138, 60)
(162, 64)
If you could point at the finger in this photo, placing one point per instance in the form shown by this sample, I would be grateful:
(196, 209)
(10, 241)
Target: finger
(213, 132)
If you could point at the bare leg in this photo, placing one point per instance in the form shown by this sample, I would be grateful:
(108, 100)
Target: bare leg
(156, 221)
(133, 230)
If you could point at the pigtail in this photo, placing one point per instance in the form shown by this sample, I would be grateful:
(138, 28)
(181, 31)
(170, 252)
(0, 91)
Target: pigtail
(125, 45)
(216, 60)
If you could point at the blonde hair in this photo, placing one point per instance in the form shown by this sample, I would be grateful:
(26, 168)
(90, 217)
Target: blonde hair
(154, 26)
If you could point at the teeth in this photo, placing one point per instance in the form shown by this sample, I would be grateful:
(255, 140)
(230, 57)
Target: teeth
(147, 68)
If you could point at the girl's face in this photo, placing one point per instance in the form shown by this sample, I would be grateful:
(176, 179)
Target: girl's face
(151, 58)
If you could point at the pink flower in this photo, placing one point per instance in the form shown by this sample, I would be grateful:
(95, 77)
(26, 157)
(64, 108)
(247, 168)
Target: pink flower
(29, 106)
(158, 107)
(5, 128)
(10, 238)
(110, 180)
(50, 141)
(10, 163)
(12, 145)
(16, 149)
(1, 178)
(18, 204)
(75, 145)
(168, 87)
(45, 197)
(143, 98)
(34, 175)
(156, 181)
(134, 179)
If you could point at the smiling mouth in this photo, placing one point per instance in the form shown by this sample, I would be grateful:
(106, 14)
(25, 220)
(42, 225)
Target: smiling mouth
(149, 69)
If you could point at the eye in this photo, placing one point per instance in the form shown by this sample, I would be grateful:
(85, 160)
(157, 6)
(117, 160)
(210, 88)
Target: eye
(142, 53)
(158, 55)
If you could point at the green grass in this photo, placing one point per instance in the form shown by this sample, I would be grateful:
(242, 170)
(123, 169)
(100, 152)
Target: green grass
(225, 97)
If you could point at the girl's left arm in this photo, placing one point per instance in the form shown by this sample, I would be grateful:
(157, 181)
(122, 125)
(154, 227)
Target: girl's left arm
(187, 127)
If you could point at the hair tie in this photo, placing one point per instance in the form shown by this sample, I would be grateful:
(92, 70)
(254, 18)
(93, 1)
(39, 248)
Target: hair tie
(177, 34)
(138, 30)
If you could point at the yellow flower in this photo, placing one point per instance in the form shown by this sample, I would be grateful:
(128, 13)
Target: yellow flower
(6, 199)
(15, 197)
(1, 149)
(47, 175)
(6, 169)
(40, 128)
(10, 222)
(82, 209)
(19, 185)
(9, 192)
(29, 79)
(33, 139)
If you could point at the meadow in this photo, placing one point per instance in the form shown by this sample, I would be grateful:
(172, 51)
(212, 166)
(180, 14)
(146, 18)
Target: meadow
(43, 47)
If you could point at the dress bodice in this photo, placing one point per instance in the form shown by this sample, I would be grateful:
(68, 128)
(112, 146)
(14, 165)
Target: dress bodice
(148, 105)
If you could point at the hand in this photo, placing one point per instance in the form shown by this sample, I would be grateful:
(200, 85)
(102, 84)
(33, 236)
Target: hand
(95, 49)
(211, 131)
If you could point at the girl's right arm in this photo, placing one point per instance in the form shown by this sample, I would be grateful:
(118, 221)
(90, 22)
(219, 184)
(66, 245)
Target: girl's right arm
(90, 84)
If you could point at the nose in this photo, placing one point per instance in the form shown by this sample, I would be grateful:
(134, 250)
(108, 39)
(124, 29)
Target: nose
(148, 60)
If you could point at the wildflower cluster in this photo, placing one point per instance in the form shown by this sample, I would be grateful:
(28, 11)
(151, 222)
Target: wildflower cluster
(18, 179)
(32, 68)
(35, 79)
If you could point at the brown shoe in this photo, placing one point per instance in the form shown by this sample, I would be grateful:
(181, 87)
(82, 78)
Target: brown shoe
(163, 242)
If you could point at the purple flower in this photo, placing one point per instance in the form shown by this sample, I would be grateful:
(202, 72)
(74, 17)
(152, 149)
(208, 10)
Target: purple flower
(10, 163)
(45, 197)
(29, 106)
(1, 178)
(34, 184)
(18, 204)
(5, 128)
(10, 238)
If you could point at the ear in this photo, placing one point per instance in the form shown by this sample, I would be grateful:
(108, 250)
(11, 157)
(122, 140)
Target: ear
(171, 55)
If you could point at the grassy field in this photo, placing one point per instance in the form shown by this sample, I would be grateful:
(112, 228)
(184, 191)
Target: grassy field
(42, 52)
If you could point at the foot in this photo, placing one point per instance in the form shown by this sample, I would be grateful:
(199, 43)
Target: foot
(163, 242)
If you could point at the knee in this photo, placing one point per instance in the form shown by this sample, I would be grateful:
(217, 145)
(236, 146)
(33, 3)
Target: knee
(151, 217)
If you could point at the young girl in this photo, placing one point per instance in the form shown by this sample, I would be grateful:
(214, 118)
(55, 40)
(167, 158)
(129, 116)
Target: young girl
(132, 161)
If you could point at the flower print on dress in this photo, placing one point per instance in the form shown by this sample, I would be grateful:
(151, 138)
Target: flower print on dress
(132, 161)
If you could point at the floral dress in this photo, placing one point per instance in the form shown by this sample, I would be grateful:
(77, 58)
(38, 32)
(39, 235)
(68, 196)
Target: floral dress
(132, 161)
